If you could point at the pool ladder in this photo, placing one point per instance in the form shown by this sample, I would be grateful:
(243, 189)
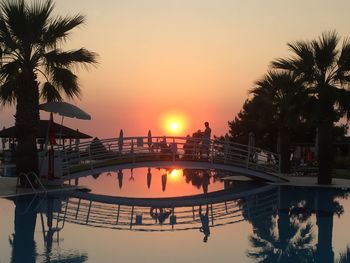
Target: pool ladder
(26, 176)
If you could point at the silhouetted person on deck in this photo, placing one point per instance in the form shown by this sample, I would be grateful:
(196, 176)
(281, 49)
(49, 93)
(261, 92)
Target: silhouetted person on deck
(206, 139)
(205, 223)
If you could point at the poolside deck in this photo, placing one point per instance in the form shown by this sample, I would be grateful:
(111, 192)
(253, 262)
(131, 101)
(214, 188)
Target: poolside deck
(8, 185)
(8, 188)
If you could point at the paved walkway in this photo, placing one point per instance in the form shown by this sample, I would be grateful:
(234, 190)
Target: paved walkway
(8, 185)
(312, 182)
(8, 188)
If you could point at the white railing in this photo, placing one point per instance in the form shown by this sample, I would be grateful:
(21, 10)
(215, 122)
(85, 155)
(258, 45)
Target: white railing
(99, 153)
(138, 218)
(32, 179)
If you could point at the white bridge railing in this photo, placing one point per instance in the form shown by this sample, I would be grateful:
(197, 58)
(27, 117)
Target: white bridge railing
(100, 153)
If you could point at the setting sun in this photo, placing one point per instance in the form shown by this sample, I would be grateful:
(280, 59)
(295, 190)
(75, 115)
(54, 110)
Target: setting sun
(174, 126)
(174, 123)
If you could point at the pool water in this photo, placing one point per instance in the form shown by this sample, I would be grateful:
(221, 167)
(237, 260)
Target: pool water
(236, 222)
(155, 182)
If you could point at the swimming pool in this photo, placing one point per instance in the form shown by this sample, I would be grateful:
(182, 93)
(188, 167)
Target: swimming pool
(224, 221)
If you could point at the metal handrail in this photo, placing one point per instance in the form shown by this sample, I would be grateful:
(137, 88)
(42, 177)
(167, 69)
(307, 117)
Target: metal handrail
(26, 176)
(134, 149)
(97, 214)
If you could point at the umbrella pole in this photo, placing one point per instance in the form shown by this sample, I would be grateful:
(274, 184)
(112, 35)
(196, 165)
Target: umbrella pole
(61, 139)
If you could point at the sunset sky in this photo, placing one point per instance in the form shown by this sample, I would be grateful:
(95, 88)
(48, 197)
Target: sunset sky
(192, 59)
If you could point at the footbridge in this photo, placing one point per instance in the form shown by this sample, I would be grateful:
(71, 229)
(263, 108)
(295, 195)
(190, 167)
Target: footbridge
(97, 156)
(224, 207)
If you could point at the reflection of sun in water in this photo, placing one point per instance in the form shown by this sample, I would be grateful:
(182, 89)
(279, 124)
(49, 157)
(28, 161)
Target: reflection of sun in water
(175, 174)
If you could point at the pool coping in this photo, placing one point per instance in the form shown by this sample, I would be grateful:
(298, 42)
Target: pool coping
(8, 185)
(8, 188)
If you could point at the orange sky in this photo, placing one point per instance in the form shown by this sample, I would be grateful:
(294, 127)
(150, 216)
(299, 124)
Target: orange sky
(196, 57)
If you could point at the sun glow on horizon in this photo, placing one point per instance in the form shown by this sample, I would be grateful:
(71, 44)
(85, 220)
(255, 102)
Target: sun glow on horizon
(174, 123)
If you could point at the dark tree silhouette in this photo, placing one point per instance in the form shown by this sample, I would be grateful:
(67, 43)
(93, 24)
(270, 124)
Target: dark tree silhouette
(323, 65)
(30, 41)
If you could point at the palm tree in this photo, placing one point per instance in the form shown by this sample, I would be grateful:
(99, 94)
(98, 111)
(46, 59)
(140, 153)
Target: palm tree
(282, 240)
(344, 256)
(282, 92)
(30, 41)
(325, 70)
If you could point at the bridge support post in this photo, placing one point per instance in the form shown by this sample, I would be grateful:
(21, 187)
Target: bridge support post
(132, 151)
(173, 149)
(90, 159)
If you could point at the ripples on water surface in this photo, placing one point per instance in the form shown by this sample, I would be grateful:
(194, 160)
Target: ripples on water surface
(243, 222)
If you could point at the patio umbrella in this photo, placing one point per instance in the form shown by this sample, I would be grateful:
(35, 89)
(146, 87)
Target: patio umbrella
(65, 110)
(149, 139)
(120, 140)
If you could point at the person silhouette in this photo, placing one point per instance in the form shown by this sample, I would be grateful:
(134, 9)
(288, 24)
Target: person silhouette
(205, 223)
(206, 139)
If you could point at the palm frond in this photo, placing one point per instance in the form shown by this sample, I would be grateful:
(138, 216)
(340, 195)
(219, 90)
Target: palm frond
(342, 72)
(9, 70)
(6, 39)
(38, 17)
(16, 16)
(8, 93)
(345, 256)
(57, 58)
(325, 50)
(65, 80)
(58, 29)
(50, 93)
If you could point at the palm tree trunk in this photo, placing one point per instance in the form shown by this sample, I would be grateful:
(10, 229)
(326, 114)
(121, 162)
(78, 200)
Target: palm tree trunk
(27, 121)
(324, 221)
(285, 149)
(23, 244)
(325, 152)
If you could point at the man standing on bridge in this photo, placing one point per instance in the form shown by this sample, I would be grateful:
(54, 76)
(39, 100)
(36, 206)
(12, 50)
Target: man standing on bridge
(206, 139)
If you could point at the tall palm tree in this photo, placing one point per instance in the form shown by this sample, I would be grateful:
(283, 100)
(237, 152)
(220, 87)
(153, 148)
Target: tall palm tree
(34, 66)
(324, 67)
(284, 239)
(282, 92)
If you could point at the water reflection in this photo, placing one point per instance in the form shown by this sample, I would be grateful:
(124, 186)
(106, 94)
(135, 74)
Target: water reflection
(23, 242)
(287, 234)
(288, 224)
(155, 182)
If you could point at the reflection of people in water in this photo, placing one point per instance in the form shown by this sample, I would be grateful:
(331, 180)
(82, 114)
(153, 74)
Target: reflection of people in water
(132, 175)
(205, 223)
(205, 181)
(159, 214)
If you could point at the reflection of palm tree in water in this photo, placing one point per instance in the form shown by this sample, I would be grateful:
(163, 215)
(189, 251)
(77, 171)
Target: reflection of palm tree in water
(283, 239)
(199, 178)
(205, 223)
(287, 237)
(22, 241)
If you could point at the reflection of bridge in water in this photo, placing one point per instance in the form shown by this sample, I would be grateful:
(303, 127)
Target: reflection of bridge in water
(168, 214)
(110, 154)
